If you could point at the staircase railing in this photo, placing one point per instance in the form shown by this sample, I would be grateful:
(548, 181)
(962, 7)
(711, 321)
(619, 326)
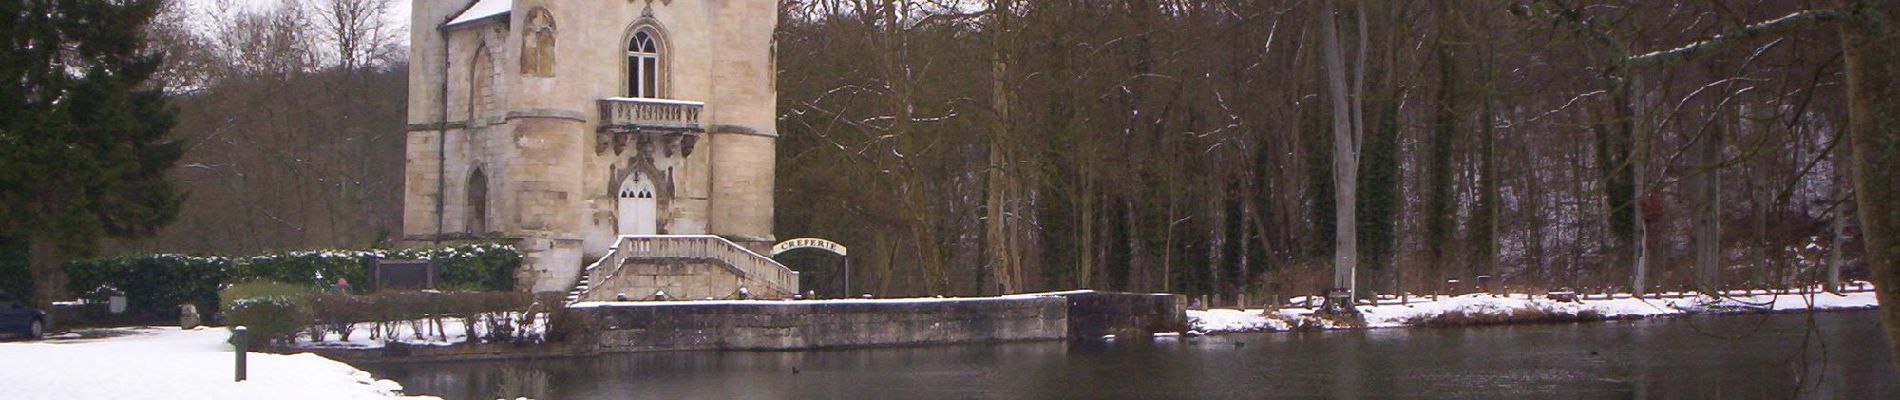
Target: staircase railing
(741, 261)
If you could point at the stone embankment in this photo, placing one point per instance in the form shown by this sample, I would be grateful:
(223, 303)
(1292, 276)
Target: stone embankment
(790, 325)
(822, 324)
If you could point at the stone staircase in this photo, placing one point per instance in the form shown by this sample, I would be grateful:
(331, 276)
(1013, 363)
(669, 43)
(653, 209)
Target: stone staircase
(763, 276)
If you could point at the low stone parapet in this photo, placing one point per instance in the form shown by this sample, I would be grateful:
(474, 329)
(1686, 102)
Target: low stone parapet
(799, 325)
(612, 327)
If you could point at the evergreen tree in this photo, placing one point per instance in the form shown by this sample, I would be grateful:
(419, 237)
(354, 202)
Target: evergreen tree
(1440, 206)
(1318, 145)
(1379, 198)
(83, 148)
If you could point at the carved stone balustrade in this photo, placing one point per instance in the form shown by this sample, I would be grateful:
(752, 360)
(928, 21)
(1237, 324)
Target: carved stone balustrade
(670, 124)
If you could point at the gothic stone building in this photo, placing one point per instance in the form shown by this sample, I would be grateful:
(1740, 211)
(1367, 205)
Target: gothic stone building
(577, 127)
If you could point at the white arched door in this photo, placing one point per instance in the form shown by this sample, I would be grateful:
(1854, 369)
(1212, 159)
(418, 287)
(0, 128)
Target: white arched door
(638, 210)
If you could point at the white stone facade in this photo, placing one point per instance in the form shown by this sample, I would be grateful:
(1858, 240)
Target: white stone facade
(530, 116)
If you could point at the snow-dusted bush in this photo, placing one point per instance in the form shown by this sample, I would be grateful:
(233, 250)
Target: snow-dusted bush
(482, 266)
(317, 268)
(272, 311)
(487, 266)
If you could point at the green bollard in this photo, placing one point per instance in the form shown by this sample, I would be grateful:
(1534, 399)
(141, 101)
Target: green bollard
(241, 340)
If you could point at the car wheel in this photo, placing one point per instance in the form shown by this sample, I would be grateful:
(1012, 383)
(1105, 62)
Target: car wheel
(36, 330)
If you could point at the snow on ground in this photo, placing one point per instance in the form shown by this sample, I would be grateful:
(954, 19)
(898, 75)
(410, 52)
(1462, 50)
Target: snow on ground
(1391, 314)
(169, 363)
(1229, 320)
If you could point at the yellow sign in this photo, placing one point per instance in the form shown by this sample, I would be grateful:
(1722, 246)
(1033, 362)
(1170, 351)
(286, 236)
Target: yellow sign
(812, 243)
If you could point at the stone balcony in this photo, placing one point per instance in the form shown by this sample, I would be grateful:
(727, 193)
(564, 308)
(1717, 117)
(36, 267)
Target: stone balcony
(672, 124)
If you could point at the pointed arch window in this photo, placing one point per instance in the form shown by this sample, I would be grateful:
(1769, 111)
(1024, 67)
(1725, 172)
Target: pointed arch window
(643, 64)
(477, 202)
(537, 44)
(481, 102)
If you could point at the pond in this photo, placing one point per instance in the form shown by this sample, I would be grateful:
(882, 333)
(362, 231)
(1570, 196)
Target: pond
(1838, 355)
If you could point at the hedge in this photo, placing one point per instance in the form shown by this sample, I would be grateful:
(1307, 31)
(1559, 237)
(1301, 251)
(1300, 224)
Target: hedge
(154, 285)
(340, 313)
(274, 312)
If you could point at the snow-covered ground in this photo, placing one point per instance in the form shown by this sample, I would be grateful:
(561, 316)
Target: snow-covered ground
(1392, 314)
(169, 363)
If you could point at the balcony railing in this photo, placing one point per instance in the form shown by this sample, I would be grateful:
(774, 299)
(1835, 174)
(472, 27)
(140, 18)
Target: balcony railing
(623, 114)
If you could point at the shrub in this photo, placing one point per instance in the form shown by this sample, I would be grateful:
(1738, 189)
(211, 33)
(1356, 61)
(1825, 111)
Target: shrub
(273, 311)
(338, 312)
(16, 276)
(560, 322)
(317, 268)
(265, 289)
(1512, 316)
(155, 285)
(488, 267)
(426, 310)
(270, 320)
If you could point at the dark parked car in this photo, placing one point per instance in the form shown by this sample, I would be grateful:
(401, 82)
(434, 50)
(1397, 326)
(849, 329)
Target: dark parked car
(18, 318)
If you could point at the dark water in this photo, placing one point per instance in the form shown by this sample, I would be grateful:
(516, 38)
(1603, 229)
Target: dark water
(1831, 356)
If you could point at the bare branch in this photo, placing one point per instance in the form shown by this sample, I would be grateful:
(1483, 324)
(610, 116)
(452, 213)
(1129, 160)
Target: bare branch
(1723, 42)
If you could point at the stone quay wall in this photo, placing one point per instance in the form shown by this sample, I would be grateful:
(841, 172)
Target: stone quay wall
(1093, 314)
(615, 327)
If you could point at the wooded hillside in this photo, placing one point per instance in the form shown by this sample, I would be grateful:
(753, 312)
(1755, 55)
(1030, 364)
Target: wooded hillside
(1177, 145)
(1153, 145)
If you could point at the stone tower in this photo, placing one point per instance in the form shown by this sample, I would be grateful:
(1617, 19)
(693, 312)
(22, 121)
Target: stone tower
(564, 124)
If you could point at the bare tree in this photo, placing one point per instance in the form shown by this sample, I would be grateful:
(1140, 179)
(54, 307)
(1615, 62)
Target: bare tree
(1348, 129)
(360, 31)
(1004, 216)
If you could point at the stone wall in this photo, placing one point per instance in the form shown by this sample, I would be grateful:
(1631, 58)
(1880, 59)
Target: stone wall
(682, 279)
(1093, 314)
(801, 325)
(612, 327)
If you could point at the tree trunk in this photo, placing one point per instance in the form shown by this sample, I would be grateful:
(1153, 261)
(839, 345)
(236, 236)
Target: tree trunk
(1490, 201)
(1000, 176)
(49, 281)
(1534, 214)
(1872, 59)
(1345, 151)
(1762, 195)
(1706, 193)
(1835, 252)
(1637, 130)
(1440, 204)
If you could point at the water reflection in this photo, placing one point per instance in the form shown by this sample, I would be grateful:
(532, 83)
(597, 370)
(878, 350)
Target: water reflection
(1733, 357)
